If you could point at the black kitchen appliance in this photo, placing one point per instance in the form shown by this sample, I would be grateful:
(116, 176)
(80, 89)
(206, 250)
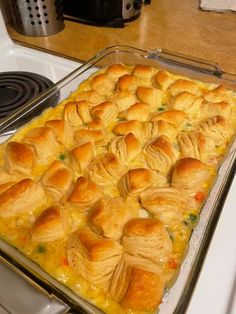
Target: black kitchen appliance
(103, 12)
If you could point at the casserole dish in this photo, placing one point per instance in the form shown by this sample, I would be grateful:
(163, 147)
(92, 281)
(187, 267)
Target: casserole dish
(177, 297)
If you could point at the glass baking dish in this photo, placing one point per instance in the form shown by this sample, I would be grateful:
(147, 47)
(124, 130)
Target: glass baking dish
(177, 298)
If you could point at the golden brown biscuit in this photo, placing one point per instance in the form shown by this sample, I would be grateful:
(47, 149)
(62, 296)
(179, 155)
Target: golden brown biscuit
(190, 173)
(144, 292)
(44, 142)
(173, 117)
(139, 111)
(105, 169)
(91, 96)
(57, 180)
(158, 128)
(82, 155)
(187, 102)
(77, 113)
(19, 158)
(125, 148)
(196, 145)
(217, 128)
(217, 94)
(93, 257)
(123, 282)
(135, 181)
(97, 137)
(50, 225)
(182, 85)
(83, 108)
(71, 114)
(22, 197)
(144, 72)
(109, 215)
(115, 71)
(151, 96)
(166, 204)
(102, 84)
(162, 80)
(123, 99)
(126, 127)
(85, 193)
(127, 81)
(64, 131)
(160, 154)
(148, 238)
(106, 112)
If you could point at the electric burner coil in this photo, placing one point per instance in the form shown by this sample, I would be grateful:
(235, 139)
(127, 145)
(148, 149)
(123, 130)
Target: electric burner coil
(16, 88)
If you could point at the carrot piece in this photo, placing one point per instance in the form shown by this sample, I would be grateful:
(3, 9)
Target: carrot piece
(199, 196)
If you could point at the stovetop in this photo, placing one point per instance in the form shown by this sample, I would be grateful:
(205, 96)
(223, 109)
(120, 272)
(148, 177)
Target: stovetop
(17, 87)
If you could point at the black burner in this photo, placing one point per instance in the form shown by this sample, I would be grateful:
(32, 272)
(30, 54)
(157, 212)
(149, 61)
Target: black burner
(16, 88)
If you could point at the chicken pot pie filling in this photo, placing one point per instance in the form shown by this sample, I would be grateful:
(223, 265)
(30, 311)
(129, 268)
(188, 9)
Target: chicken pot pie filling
(104, 191)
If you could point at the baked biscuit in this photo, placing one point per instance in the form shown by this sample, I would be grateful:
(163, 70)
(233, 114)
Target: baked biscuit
(102, 84)
(93, 257)
(217, 128)
(216, 95)
(139, 111)
(22, 197)
(44, 142)
(105, 169)
(127, 82)
(77, 113)
(174, 117)
(81, 156)
(85, 194)
(115, 71)
(162, 80)
(182, 85)
(166, 204)
(144, 72)
(91, 96)
(147, 237)
(126, 127)
(151, 96)
(144, 292)
(195, 145)
(123, 99)
(57, 180)
(97, 137)
(50, 225)
(135, 181)
(109, 215)
(106, 112)
(64, 132)
(125, 148)
(135, 288)
(160, 154)
(187, 102)
(190, 174)
(19, 158)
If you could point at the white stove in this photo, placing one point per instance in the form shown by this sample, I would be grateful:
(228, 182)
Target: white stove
(215, 291)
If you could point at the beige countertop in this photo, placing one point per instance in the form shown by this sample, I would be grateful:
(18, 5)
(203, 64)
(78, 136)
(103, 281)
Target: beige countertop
(175, 25)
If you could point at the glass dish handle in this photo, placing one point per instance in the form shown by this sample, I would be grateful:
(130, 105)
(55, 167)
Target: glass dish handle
(192, 63)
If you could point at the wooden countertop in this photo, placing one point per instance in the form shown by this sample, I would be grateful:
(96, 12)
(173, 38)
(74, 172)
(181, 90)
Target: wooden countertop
(175, 25)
